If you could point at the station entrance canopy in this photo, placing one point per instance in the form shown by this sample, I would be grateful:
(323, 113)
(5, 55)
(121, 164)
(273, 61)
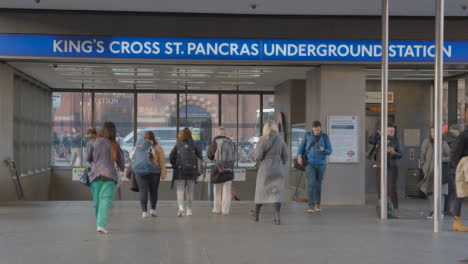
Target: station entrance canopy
(366, 51)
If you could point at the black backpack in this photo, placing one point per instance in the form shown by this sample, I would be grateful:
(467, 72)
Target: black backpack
(187, 162)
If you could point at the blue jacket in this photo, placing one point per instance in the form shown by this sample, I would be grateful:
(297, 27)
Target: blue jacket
(314, 156)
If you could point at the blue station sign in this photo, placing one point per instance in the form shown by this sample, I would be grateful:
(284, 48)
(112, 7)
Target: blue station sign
(62, 46)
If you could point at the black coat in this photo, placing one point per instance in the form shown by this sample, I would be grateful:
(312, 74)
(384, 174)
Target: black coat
(173, 159)
(394, 142)
(216, 175)
(460, 149)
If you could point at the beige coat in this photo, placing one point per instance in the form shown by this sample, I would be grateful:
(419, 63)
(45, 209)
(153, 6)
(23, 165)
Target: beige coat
(461, 178)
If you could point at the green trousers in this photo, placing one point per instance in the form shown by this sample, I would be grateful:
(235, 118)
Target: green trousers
(103, 192)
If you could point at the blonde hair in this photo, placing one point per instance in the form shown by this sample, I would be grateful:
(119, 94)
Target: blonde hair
(221, 132)
(270, 128)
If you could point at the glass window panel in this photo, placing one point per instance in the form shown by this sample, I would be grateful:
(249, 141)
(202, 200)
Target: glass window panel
(66, 132)
(249, 128)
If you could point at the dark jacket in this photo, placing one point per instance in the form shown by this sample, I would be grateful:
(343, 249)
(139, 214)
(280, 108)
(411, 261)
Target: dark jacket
(216, 175)
(450, 139)
(394, 142)
(76, 140)
(460, 149)
(173, 159)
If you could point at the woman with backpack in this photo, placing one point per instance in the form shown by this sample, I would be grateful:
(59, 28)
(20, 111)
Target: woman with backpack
(184, 159)
(104, 155)
(427, 164)
(223, 152)
(150, 157)
(271, 155)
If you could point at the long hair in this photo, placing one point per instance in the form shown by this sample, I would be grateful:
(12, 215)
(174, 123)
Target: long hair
(270, 127)
(149, 135)
(185, 135)
(430, 137)
(92, 133)
(109, 131)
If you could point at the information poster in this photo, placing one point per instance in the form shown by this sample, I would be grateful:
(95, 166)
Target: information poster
(343, 133)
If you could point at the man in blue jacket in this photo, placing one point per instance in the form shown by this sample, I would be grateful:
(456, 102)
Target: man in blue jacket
(315, 146)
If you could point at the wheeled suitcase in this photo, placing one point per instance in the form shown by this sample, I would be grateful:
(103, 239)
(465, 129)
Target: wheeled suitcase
(412, 179)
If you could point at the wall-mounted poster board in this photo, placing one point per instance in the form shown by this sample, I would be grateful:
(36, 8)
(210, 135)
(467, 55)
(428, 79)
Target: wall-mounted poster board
(343, 132)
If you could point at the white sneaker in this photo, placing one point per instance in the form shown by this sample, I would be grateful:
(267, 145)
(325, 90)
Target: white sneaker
(101, 230)
(153, 213)
(180, 213)
(145, 215)
(214, 211)
(189, 212)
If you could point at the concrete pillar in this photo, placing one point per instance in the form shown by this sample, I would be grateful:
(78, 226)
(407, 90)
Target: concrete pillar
(290, 100)
(452, 102)
(339, 90)
(7, 188)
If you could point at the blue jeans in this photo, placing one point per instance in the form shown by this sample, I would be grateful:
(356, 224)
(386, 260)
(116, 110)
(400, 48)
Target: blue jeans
(315, 173)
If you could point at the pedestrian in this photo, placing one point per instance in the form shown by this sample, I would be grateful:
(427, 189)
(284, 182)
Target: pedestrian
(457, 154)
(104, 154)
(148, 178)
(427, 163)
(185, 159)
(394, 154)
(271, 155)
(316, 146)
(223, 152)
(76, 147)
(450, 137)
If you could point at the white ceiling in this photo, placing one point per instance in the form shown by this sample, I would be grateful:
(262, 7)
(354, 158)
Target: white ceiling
(159, 77)
(196, 77)
(276, 7)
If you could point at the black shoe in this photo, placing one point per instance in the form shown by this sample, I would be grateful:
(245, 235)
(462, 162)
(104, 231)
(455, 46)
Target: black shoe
(277, 220)
(254, 215)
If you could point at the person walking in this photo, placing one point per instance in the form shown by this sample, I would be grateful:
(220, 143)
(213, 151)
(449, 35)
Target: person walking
(271, 155)
(427, 163)
(184, 159)
(149, 166)
(104, 154)
(450, 137)
(223, 152)
(394, 154)
(316, 146)
(76, 147)
(459, 152)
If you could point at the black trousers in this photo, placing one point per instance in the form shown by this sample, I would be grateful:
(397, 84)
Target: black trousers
(148, 184)
(392, 179)
(276, 205)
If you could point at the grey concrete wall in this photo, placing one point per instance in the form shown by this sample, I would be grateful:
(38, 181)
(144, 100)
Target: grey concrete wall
(412, 103)
(35, 186)
(7, 188)
(62, 188)
(229, 26)
(339, 90)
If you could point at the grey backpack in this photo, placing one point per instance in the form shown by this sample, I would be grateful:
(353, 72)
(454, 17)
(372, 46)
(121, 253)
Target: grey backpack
(225, 156)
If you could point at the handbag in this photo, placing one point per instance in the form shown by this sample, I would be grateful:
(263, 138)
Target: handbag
(259, 162)
(84, 179)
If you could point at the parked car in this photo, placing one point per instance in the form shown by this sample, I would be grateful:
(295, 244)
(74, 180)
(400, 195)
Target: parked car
(166, 137)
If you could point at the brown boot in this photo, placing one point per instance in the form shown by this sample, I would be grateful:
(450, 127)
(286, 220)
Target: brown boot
(458, 225)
